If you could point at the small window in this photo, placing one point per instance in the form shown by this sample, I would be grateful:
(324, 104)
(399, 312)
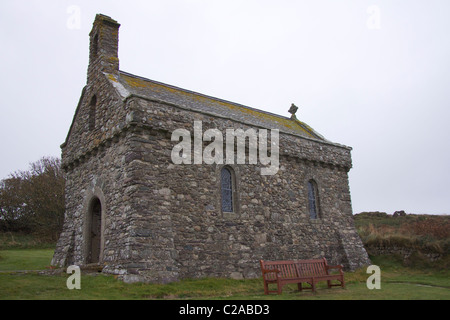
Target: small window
(95, 46)
(92, 111)
(313, 200)
(227, 186)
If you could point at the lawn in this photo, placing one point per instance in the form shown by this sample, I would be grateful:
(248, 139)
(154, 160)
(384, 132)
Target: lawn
(25, 259)
(397, 282)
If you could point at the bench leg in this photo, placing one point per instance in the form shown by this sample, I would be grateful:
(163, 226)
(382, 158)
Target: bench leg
(299, 286)
(279, 285)
(313, 285)
(266, 288)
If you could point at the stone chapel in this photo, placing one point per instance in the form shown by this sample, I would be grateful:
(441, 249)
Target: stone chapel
(134, 212)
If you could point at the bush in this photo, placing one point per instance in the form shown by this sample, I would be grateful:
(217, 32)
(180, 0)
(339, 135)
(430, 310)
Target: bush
(33, 201)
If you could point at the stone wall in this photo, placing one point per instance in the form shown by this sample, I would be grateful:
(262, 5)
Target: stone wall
(163, 221)
(102, 175)
(179, 229)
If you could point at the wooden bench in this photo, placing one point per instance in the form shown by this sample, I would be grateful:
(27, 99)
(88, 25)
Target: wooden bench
(299, 271)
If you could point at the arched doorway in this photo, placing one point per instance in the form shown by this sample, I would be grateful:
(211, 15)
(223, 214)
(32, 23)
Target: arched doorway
(95, 231)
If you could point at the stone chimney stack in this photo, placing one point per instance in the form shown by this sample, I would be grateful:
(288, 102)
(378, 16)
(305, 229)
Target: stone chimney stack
(104, 46)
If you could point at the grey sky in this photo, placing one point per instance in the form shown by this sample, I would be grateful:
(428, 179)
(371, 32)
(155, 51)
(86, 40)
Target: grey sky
(373, 75)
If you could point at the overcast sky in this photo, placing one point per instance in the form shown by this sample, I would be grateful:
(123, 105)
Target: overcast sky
(373, 75)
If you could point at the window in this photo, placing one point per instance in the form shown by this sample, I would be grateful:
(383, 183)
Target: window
(92, 110)
(95, 228)
(313, 200)
(95, 46)
(226, 186)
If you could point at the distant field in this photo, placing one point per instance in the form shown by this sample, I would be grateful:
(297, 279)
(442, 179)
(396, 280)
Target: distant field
(421, 234)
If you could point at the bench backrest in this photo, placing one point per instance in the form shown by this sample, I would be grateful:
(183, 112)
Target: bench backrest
(295, 268)
(312, 268)
(287, 269)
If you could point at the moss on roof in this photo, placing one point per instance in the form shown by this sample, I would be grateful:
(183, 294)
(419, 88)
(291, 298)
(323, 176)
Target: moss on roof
(196, 101)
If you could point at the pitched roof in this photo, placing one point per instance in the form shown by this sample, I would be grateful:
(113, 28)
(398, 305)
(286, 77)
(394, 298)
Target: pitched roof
(131, 85)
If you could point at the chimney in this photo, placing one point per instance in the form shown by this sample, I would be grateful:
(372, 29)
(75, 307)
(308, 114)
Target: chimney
(104, 46)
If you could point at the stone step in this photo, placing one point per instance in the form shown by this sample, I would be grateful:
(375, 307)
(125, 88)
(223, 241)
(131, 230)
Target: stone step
(92, 267)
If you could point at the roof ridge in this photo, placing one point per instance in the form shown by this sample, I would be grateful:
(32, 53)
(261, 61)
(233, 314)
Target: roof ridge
(204, 95)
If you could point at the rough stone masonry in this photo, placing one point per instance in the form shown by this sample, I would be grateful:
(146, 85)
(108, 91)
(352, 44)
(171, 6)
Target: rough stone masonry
(131, 210)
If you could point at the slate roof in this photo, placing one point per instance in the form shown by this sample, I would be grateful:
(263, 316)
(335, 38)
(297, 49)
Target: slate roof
(131, 85)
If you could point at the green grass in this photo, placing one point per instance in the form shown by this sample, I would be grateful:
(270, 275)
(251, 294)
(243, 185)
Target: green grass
(416, 280)
(397, 282)
(35, 286)
(25, 259)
